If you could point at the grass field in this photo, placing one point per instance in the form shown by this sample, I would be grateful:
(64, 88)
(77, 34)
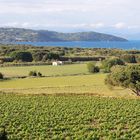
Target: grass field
(45, 70)
(69, 117)
(81, 84)
(66, 79)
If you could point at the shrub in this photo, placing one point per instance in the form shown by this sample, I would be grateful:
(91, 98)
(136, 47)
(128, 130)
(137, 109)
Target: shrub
(39, 74)
(107, 64)
(92, 68)
(1, 76)
(129, 58)
(138, 59)
(81, 58)
(22, 56)
(32, 73)
(128, 77)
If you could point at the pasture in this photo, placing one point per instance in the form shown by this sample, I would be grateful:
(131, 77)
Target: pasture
(47, 70)
(81, 84)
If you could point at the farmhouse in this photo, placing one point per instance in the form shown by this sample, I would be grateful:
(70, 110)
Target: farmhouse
(56, 63)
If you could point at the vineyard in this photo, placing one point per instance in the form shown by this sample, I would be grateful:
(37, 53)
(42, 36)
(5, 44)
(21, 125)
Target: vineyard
(69, 117)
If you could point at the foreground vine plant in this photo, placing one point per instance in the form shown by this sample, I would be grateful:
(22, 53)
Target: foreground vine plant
(69, 117)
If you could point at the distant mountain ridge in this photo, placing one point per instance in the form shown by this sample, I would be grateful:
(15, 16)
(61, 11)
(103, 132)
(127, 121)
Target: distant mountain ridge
(29, 35)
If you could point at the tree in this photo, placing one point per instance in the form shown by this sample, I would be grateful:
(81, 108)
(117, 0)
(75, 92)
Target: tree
(54, 56)
(22, 56)
(92, 68)
(38, 56)
(127, 77)
(107, 64)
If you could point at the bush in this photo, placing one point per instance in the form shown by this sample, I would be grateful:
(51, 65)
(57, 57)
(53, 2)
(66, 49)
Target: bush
(128, 77)
(107, 64)
(92, 68)
(129, 58)
(34, 73)
(39, 74)
(1, 76)
(22, 56)
(138, 59)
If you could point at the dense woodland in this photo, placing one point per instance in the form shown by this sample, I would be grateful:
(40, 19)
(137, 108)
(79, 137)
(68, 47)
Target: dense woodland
(28, 53)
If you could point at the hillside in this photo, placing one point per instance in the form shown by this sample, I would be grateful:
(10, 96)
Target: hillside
(20, 34)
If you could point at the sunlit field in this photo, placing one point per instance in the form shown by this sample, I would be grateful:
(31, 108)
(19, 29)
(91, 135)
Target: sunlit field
(45, 70)
(82, 84)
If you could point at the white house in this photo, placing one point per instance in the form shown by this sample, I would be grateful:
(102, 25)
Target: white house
(56, 63)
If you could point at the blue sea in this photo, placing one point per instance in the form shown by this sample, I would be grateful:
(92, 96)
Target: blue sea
(129, 45)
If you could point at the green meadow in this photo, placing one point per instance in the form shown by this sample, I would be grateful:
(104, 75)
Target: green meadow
(64, 79)
(45, 70)
(80, 84)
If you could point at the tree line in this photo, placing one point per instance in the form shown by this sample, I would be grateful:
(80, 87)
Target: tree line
(119, 74)
(28, 53)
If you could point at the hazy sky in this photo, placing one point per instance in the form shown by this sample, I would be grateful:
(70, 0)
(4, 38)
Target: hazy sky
(111, 16)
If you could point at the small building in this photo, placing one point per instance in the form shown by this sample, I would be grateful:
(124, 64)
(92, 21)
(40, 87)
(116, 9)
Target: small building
(56, 63)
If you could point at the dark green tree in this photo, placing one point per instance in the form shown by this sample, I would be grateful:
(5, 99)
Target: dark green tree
(52, 56)
(109, 63)
(22, 56)
(38, 56)
(125, 76)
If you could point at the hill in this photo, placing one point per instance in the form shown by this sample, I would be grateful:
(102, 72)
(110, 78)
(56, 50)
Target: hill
(20, 34)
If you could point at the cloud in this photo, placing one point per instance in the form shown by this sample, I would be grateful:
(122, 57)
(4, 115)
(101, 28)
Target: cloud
(134, 27)
(20, 25)
(119, 25)
(97, 25)
(34, 25)
(68, 27)
(71, 14)
(122, 25)
(24, 6)
(45, 6)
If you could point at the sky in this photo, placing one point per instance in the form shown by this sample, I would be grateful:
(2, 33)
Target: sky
(119, 17)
